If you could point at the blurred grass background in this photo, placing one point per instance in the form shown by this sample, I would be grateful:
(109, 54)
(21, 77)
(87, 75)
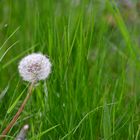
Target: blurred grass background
(93, 92)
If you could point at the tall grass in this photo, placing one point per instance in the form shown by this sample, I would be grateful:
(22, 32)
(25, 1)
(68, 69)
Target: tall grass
(93, 90)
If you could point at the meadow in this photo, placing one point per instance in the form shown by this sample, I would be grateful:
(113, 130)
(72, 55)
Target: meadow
(93, 91)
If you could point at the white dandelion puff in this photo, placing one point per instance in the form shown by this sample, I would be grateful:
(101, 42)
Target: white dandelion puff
(34, 67)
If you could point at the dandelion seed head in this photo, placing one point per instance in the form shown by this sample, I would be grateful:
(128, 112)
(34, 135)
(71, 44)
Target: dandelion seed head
(34, 67)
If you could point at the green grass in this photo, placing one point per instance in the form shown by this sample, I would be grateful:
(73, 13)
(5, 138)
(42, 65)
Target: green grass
(93, 92)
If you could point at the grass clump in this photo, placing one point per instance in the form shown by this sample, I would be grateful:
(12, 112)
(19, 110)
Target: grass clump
(93, 91)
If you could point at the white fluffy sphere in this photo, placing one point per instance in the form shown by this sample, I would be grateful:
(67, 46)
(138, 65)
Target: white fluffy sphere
(34, 67)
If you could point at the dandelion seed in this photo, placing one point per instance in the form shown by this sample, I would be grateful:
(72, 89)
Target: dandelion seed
(34, 67)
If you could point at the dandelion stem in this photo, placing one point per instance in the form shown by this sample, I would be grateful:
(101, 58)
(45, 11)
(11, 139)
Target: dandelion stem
(10, 125)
